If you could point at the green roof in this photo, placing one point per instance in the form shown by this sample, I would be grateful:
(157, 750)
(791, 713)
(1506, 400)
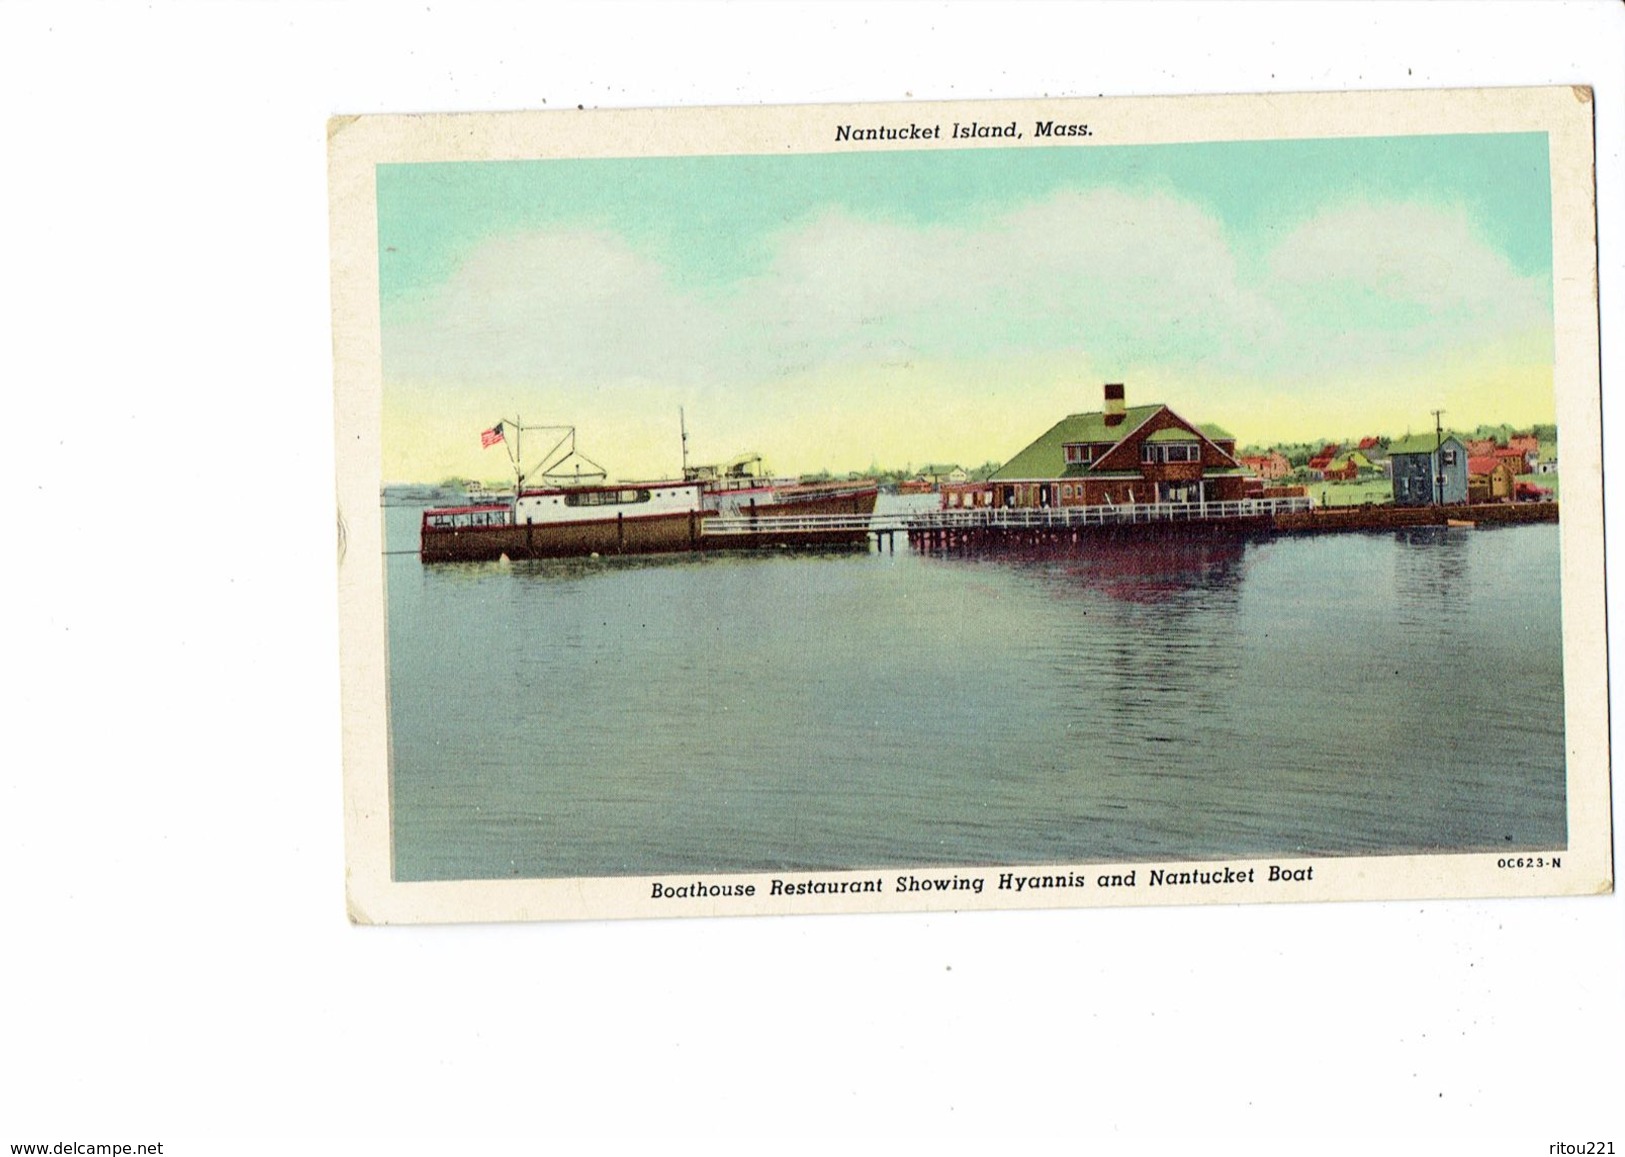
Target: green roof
(1171, 434)
(1046, 457)
(1416, 444)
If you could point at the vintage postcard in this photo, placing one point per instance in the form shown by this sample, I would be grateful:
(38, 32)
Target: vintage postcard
(987, 505)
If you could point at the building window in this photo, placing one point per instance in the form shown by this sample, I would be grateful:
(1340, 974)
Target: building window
(604, 497)
(1086, 453)
(1170, 452)
(1449, 457)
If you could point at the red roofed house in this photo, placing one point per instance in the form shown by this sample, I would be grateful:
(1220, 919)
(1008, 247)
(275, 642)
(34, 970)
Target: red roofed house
(1321, 460)
(1272, 465)
(1490, 478)
(1522, 461)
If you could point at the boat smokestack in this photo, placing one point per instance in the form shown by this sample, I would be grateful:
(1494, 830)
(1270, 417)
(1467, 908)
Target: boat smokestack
(1114, 404)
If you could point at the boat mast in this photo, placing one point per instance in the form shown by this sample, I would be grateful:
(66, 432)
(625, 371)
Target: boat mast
(682, 425)
(561, 451)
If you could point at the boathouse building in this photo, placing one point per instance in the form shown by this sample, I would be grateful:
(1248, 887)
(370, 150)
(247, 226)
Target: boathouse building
(1119, 455)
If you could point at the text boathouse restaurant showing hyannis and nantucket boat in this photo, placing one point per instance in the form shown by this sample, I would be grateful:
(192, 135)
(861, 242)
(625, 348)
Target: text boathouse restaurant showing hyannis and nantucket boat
(575, 512)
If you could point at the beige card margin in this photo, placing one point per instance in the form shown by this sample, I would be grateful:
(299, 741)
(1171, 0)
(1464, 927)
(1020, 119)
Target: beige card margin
(356, 144)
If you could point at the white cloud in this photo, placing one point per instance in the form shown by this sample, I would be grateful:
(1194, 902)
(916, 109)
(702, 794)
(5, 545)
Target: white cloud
(1366, 283)
(1104, 272)
(581, 307)
(903, 320)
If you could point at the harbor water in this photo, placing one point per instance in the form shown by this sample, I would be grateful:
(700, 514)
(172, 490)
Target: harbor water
(1359, 693)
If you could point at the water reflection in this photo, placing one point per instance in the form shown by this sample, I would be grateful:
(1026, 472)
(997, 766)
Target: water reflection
(1141, 642)
(1431, 571)
(1154, 572)
(1148, 570)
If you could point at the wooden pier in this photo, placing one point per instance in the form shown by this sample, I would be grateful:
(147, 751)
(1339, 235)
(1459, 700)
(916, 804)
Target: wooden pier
(746, 530)
(977, 527)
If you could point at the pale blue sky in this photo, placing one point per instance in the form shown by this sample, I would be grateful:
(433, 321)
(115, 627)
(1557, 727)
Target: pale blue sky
(838, 309)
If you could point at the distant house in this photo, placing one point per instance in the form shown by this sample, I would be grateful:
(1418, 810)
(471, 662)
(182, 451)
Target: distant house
(1370, 445)
(1323, 458)
(939, 473)
(1522, 460)
(1547, 462)
(1528, 443)
(1490, 479)
(1482, 447)
(1122, 454)
(1340, 470)
(1268, 466)
(1428, 471)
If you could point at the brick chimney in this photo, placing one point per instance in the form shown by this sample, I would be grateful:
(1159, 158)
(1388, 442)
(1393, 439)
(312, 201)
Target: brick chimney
(1114, 404)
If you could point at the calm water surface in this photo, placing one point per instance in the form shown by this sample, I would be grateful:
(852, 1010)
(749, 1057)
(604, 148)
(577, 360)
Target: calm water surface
(1356, 693)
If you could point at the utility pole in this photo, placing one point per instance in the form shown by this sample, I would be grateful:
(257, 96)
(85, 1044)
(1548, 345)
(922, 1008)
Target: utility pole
(1438, 458)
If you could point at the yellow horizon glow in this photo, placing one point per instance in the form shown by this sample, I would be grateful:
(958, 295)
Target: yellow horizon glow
(906, 416)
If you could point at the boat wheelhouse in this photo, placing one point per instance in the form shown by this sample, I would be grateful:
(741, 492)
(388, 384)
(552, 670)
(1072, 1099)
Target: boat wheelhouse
(742, 486)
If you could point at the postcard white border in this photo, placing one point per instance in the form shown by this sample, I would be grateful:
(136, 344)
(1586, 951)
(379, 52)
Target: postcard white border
(356, 145)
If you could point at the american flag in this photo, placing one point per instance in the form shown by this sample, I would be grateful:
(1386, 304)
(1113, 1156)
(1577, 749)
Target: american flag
(491, 437)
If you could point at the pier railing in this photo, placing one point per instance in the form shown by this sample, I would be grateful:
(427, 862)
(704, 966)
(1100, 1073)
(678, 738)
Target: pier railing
(1122, 514)
(782, 523)
(1014, 518)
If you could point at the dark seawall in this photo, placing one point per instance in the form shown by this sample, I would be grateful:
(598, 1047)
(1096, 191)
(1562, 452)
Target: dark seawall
(1386, 517)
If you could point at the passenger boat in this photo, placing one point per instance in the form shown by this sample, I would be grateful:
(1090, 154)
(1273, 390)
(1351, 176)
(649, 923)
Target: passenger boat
(743, 486)
(755, 494)
(578, 513)
(568, 521)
